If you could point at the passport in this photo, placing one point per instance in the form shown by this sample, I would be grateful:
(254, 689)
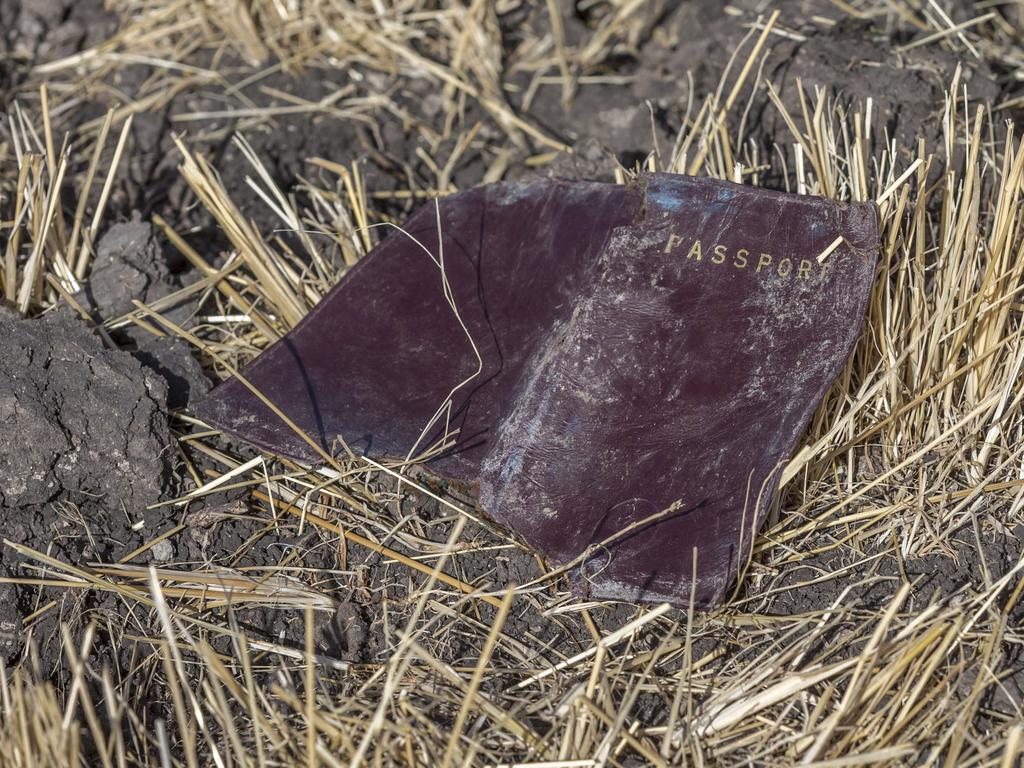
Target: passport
(619, 372)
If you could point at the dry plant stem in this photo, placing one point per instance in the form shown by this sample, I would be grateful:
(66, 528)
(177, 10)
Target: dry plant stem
(362, 541)
(199, 263)
(478, 673)
(401, 659)
(698, 161)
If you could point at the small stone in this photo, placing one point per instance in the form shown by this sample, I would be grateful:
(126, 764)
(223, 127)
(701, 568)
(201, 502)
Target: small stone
(162, 551)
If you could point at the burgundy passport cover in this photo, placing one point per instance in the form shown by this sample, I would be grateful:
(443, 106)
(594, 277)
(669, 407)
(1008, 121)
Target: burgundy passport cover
(641, 345)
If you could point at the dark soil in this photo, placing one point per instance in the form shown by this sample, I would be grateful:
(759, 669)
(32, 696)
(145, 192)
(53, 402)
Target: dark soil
(852, 61)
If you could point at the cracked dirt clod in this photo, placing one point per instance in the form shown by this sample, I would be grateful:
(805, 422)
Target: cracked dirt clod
(128, 265)
(173, 360)
(90, 422)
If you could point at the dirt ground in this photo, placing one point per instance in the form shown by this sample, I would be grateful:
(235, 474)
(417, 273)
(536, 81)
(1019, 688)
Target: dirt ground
(99, 452)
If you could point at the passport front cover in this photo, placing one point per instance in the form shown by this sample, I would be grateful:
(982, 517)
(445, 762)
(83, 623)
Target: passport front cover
(643, 361)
